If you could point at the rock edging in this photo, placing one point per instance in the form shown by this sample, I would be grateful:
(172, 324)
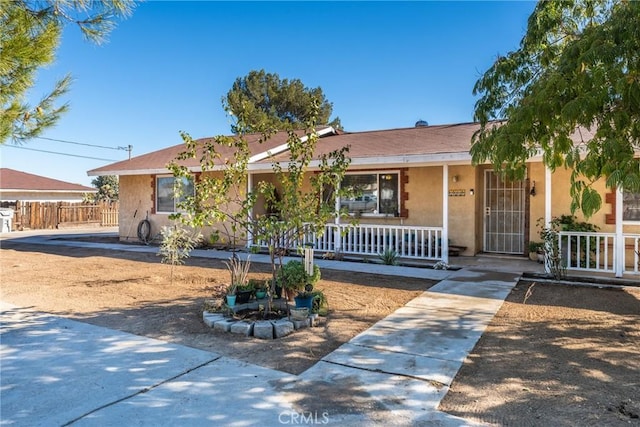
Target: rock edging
(263, 329)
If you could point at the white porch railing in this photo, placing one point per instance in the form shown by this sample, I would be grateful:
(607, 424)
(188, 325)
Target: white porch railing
(632, 250)
(583, 251)
(370, 239)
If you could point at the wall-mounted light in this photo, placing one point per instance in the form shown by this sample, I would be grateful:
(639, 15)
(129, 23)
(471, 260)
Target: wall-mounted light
(533, 189)
(472, 192)
(454, 178)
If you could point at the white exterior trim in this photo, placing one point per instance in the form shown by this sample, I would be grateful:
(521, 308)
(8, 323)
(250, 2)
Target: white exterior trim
(619, 249)
(284, 147)
(445, 213)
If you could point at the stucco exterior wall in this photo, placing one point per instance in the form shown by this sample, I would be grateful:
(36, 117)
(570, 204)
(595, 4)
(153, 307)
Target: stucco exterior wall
(561, 201)
(135, 203)
(462, 208)
(536, 174)
(423, 202)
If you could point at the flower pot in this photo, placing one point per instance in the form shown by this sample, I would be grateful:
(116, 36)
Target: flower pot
(278, 291)
(261, 294)
(231, 300)
(302, 302)
(299, 313)
(243, 297)
(290, 293)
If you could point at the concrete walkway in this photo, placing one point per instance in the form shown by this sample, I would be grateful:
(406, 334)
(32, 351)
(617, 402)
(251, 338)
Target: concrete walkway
(56, 371)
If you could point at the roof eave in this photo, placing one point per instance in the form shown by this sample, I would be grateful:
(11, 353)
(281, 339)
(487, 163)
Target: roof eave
(463, 158)
(284, 147)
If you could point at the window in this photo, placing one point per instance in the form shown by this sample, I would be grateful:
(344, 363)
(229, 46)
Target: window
(631, 206)
(377, 193)
(166, 202)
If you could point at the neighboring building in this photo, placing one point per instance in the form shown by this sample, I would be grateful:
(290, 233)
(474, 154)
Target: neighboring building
(26, 187)
(420, 195)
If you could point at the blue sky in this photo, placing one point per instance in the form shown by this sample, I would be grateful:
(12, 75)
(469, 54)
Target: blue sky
(383, 65)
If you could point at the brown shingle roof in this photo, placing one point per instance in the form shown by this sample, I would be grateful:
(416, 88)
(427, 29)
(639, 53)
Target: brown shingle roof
(156, 161)
(414, 141)
(425, 141)
(15, 180)
(436, 144)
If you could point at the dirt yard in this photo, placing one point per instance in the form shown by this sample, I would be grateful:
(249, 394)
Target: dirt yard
(132, 292)
(553, 355)
(569, 356)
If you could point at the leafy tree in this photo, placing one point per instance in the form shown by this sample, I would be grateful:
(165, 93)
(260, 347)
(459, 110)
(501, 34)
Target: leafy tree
(108, 188)
(576, 73)
(30, 33)
(296, 207)
(177, 244)
(263, 98)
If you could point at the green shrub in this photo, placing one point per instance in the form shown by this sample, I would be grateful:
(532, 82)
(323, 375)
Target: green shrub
(292, 275)
(389, 257)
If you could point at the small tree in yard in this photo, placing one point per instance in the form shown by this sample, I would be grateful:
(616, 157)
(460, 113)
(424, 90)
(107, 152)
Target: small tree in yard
(298, 205)
(177, 244)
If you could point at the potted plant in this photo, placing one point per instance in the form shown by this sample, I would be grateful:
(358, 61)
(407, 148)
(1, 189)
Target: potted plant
(238, 270)
(260, 287)
(244, 292)
(304, 299)
(231, 294)
(320, 303)
(293, 278)
(536, 251)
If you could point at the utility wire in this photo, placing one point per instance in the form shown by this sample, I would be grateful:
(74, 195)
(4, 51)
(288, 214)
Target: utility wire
(61, 154)
(81, 143)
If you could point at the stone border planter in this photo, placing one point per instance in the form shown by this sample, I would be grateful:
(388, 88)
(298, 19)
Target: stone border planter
(263, 329)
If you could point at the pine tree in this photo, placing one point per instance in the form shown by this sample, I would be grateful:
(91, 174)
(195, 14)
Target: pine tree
(279, 104)
(108, 188)
(30, 34)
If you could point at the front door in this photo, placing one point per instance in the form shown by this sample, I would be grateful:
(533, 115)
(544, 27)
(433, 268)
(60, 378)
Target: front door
(504, 214)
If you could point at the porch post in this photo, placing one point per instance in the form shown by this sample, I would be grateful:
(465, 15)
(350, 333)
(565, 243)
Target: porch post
(249, 188)
(547, 196)
(619, 247)
(547, 206)
(336, 232)
(445, 213)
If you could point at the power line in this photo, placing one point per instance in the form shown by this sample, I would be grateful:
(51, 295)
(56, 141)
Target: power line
(128, 148)
(60, 154)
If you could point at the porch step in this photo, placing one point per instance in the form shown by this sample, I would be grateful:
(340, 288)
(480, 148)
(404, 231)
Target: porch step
(454, 250)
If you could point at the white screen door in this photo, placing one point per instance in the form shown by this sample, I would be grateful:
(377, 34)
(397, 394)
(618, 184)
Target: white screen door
(504, 209)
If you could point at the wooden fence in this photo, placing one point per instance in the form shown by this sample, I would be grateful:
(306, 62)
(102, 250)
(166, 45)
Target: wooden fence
(50, 215)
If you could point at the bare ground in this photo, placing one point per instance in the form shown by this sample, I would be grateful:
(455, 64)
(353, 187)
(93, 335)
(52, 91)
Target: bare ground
(568, 356)
(132, 292)
(553, 355)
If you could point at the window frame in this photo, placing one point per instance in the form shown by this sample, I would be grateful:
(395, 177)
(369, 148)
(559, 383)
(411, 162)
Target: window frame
(175, 202)
(378, 173)
(636, 206)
